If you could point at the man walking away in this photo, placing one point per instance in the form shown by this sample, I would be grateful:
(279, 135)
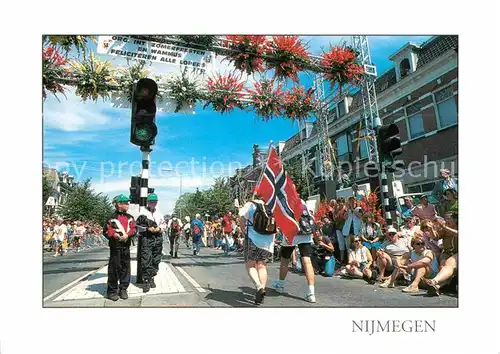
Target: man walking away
(197, 228)
(174, 229)
(304, 241)
(119, 231)
(187, 231)
(259, 229)
(227, 228)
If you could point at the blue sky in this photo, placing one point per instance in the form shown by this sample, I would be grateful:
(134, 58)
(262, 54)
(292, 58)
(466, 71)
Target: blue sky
(92, 139)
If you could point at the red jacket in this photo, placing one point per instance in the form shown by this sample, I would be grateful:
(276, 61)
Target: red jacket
(228, 227)
(125, 220)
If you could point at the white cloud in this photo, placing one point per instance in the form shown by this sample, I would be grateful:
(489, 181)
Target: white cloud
(72, 114)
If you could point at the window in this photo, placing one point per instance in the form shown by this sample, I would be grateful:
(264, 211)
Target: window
(416, 124)
(428, 187)
(363, 151)
(342, 146)
(447, 111)
(414, 189)
(404, 67)
(342, 110)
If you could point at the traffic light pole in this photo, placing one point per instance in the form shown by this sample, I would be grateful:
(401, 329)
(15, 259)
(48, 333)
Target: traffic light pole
(146, 150)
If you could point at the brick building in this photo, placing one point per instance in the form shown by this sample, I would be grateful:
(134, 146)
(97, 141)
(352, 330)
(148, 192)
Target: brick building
(420, 95)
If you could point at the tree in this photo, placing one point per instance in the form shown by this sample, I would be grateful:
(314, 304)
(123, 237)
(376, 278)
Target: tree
(84, 204)
(46, 189)
(294, 169)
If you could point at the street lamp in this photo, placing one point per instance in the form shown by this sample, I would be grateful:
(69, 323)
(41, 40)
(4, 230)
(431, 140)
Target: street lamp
(180, 186)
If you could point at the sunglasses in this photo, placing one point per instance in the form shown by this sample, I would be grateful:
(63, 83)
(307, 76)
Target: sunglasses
(419, 244)
(357, 240)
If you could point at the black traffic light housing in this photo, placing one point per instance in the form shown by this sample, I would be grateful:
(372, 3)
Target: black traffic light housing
(151, 190)
(143, 129)
(389, 144)
(135, 189)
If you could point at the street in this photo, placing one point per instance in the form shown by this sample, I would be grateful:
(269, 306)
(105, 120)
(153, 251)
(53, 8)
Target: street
(212, 280)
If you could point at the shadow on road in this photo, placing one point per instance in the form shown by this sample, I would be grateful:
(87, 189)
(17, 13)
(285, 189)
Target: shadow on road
(71, 260)
(98, 288)
(232, 298)
(68, 270)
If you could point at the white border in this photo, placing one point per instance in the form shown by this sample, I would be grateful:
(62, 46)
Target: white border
(25, 327)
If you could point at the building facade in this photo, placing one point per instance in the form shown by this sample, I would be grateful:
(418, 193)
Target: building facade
(420, 95)
(60, 182)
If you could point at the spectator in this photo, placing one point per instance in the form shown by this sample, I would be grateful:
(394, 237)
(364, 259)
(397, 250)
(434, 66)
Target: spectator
(360, 260)
(322, 251)
(451, 195)
(446, 182)
(340, 219)
(406, 208)
(424, 210)
(370, 234)
(410, 226)
(438, 230)
(419, 263)
(390, 252)
(353, 221)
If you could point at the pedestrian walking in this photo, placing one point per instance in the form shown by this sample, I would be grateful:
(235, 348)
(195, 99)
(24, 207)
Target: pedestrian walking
(303, 240)
(197, 228)
(119, 232)
(227, 228)
(187, 231)
(259, 228)
(174, 229)
(152, 243)
(60, 232)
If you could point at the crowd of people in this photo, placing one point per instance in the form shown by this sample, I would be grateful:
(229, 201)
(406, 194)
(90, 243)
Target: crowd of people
(60, 235)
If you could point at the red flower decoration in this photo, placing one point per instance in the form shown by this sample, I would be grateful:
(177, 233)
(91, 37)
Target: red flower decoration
(247, 54)
(224, 93)
(289, 57)
(299, 104)
(267, 100)
(341, 66)
(52, 70)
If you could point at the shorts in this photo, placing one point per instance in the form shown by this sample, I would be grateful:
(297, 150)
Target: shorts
(254, 253)
(305, 250)
(375, 245)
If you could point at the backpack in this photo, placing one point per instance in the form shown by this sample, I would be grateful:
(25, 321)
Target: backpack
(196, 229)
(174, 227)
(306, 223)
(263, 220)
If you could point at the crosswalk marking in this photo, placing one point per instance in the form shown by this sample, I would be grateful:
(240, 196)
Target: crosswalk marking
(191, 280)
(96, 285)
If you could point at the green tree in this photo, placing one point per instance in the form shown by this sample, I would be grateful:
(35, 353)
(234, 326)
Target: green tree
(84, 204)
(301, 181)
(46, 189)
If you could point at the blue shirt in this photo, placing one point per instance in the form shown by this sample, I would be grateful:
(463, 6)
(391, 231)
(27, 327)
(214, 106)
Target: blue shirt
(200, 225)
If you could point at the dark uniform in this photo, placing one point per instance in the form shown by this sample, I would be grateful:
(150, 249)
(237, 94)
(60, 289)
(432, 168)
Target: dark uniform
(151, 248)
(119, 252)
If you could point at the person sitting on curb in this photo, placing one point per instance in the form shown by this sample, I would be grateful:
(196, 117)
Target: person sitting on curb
(390, 251)
(420, 263)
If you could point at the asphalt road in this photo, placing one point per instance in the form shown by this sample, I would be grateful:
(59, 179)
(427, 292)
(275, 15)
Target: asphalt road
(62, 270)
(226, 284)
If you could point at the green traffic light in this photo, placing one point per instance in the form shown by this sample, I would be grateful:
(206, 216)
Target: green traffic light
(144, 133)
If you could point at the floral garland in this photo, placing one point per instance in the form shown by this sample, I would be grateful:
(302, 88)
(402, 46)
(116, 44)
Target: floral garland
(341, 65)
(298, 104)
(247, 52)
(93, 77)
(67, 42)
(267, 100)
(184, 90)
(224, 93)
(289, 57)
(126, 77)
(53, 69)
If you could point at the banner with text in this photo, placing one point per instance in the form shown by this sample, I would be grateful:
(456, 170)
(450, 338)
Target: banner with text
(199, 61)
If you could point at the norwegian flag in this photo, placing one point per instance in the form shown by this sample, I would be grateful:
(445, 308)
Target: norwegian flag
(279, 193)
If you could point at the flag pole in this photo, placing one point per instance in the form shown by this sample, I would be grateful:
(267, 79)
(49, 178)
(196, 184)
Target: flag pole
(263, 168)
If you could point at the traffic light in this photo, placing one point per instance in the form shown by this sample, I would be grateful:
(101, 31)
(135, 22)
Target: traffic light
(151, 190)
(143, 129)
(135, 189)
(389, 144)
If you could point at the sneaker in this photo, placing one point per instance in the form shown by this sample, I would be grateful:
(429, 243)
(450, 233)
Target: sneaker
(146, 287)
(278, 286)
(152, 283)
(259, 297)
(311, 298)
(123, 294)
(386, 284)
(113, 297)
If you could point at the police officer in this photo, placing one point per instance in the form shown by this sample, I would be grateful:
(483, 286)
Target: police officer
(152, 241)
(119, 231)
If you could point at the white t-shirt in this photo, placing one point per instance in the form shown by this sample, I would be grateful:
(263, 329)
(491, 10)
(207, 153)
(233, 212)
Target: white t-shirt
(60, 231)
(359, 255)
(80, 230)
(265, 242)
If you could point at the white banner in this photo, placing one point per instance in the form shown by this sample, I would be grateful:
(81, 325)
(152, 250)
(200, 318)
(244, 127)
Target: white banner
(199, 61)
